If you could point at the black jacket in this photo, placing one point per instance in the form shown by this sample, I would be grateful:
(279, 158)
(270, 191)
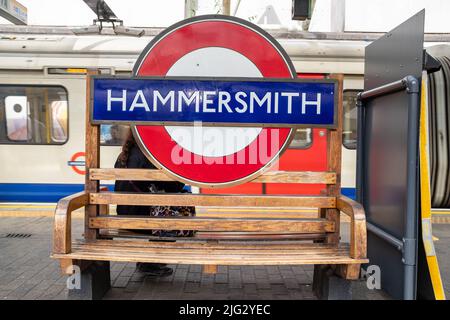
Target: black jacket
(137, 160)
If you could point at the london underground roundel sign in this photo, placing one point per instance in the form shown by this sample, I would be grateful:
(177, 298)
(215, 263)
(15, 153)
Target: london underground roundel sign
(213, 46)
(213, 101)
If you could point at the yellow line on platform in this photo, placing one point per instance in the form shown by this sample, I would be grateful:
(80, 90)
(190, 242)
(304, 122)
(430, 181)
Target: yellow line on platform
(26, 214)
(26, 206)
(34, 214)
(439, 212)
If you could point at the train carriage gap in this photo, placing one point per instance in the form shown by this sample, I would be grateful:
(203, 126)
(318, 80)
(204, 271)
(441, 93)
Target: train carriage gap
(308, 241)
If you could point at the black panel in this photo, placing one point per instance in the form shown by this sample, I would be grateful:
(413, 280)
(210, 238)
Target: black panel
(388, 153)
(385, 183)
(397, 54)
(386, 142)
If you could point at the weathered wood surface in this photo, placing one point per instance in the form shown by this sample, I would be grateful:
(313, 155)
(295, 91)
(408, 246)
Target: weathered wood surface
(212, 235)
(159, 175)
(260, 212)
(204, 248)
(258, 236)
(208, 224)
(358, 235)
(62, 230)
(334, 159)
(211, 254)
(358, 231)
(211, 200)
(92, 159)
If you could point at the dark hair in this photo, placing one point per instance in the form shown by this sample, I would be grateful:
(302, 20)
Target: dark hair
(126, 148)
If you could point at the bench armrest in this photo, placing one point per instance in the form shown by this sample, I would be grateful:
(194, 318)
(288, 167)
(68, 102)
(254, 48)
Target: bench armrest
(358, 232)
(62, 232)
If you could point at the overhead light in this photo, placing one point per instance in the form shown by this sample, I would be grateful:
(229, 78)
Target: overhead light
(134, 32)
(94, 29)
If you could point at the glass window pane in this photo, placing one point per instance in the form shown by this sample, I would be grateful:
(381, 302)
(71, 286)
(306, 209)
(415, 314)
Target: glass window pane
(302, 139)
(33, 114)
(16, 118)
(113, 134)
(59, 121)
(349, 133)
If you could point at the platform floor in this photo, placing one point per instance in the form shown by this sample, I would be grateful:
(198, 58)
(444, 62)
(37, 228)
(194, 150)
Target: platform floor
(27, 272)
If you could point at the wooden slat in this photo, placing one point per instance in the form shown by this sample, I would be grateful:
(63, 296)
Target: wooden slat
(224, 251)
(268, 177)
(209, 235)
(334, 159)
(92, 142)
(232, 254)
(258, 236)
(231, 212)
(211, 200)
(208, 224)
(189, 243)
(308, 249)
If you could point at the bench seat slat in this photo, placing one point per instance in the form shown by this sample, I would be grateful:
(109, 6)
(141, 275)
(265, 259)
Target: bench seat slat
(175, 251)
(267, 177)
(211, 224)
(211, 235)
(211, 200)
(231, 254)
(190, 243)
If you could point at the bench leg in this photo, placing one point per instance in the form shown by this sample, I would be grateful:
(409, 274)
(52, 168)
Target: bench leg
(328, 286)
(94, 282)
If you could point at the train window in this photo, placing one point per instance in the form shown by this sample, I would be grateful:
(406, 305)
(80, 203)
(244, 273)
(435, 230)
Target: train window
(59, 120)
(16, 118)
(302, 139)
(113, 134)
(349, 133)
(33, 114)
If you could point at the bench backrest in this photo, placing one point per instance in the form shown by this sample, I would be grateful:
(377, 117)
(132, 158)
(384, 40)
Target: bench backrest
(327, 223)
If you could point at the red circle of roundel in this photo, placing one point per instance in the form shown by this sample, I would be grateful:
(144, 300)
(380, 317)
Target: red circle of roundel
(202, 32)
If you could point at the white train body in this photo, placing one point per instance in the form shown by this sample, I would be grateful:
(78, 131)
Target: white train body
(41, 172)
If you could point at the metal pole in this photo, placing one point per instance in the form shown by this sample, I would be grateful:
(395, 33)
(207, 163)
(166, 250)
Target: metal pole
(385, 236)
(410, 240)
(237, 7)
(226, 4)
(359, 150)
(190, 8)
(385, 89)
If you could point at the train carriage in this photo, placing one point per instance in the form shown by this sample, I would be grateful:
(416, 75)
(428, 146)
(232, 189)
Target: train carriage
(43, 93)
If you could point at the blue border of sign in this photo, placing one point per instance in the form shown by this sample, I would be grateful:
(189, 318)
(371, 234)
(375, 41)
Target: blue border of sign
(244, 122)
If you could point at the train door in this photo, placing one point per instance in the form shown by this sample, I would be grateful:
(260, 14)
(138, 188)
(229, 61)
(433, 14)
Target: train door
(352, 86)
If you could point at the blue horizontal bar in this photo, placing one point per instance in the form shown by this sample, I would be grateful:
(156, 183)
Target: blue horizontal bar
(42, 192)
(349, 192)
(211, 101)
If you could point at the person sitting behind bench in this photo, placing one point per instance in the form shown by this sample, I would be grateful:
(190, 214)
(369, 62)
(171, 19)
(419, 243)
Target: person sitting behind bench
(132, 157)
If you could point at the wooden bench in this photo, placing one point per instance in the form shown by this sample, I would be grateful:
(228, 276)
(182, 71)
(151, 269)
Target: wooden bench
(287, 240)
